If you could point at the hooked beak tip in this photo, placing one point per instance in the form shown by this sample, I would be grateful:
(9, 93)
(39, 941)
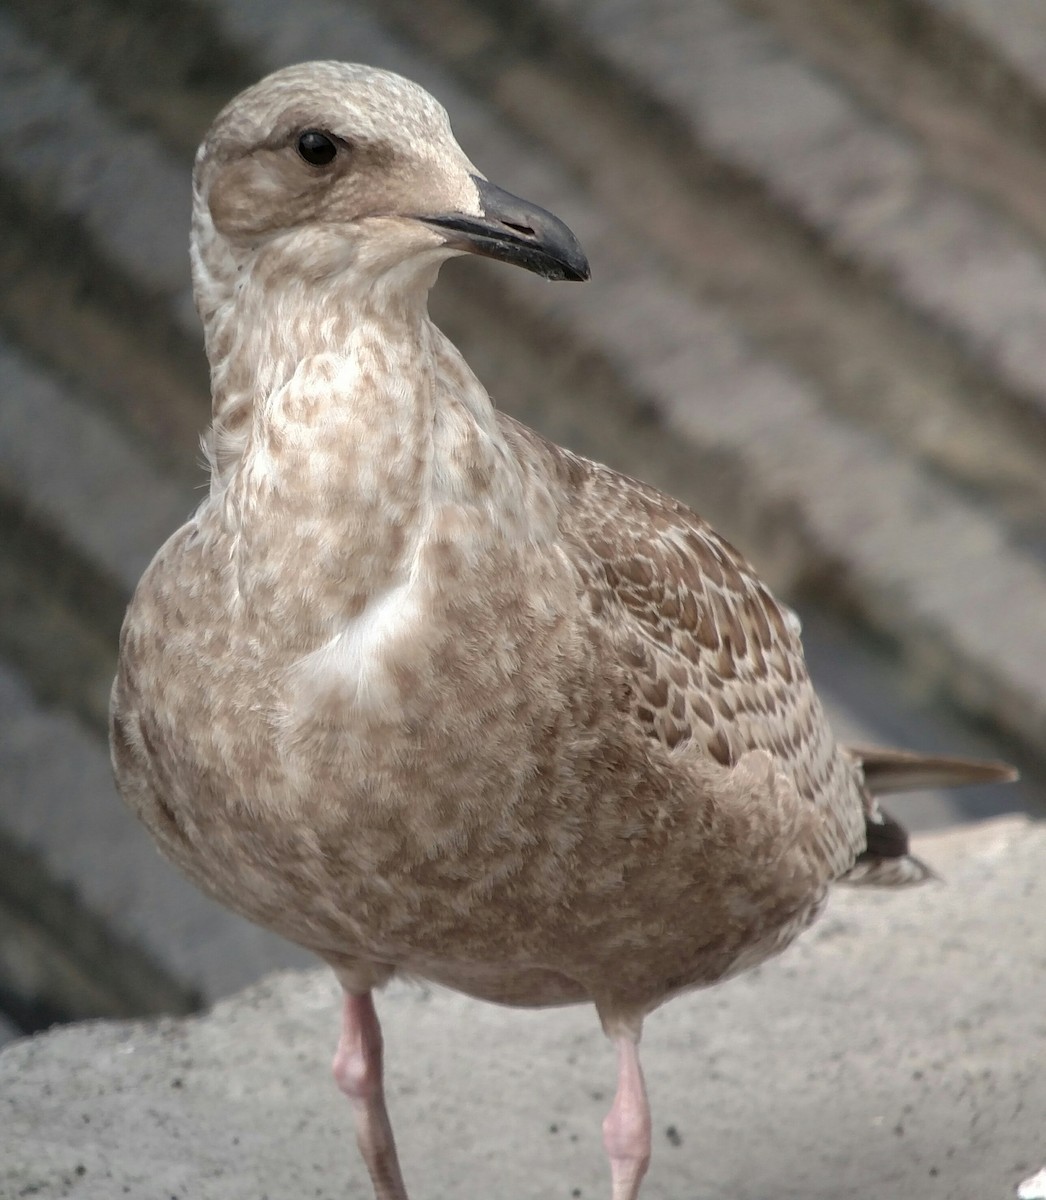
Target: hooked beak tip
(515, 231)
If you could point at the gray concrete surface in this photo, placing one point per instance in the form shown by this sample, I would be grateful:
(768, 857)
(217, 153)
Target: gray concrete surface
(895, 1053)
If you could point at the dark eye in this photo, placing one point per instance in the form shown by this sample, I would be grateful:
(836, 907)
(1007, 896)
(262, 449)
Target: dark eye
(316, 148)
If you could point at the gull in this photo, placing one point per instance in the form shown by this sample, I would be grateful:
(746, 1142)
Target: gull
(429, 695)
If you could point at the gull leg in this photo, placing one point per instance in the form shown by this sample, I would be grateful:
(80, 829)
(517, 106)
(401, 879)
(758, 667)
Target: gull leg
(358, 1074)
(626, 1129)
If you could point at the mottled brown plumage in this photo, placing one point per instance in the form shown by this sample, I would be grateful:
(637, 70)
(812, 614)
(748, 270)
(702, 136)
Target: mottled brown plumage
(425, 693)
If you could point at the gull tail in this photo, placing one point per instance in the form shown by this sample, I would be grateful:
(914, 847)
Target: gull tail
(888, 771)
(885, 861)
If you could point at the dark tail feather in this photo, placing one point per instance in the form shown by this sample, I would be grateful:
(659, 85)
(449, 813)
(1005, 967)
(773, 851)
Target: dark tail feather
(886, 861)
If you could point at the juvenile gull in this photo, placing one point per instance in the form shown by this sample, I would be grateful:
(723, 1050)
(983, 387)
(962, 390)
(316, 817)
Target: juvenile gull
(428, 694)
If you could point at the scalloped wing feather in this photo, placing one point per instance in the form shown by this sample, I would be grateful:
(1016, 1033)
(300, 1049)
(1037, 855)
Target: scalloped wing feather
(713, 660)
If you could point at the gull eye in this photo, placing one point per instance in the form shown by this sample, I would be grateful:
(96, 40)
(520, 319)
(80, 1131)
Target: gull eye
(316, 148)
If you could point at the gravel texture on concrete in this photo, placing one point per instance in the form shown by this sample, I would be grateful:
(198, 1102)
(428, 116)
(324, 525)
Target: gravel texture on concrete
(894, 1053)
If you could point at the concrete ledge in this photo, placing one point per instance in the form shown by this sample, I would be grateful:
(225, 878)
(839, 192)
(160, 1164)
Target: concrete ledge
(894, 1053)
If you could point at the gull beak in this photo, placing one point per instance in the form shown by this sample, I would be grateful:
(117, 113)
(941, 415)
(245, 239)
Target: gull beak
(514, 231)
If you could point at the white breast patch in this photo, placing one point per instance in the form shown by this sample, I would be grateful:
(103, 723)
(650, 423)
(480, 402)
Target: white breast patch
(353, 663)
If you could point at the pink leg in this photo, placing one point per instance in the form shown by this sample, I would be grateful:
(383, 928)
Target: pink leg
(626, 1130)
(357, 1072)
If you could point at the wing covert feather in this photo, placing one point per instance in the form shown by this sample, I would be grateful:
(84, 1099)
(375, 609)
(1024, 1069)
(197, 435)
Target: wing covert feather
(713, 658)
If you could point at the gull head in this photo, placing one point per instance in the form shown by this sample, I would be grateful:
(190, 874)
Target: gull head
(330, 171)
